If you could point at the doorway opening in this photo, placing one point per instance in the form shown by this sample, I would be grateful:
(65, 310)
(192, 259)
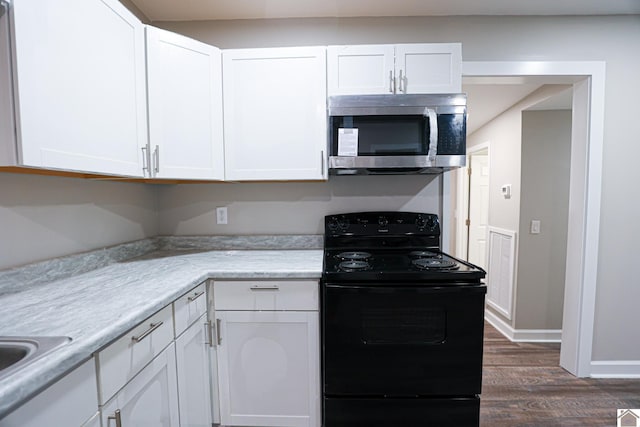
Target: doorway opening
(587, 81)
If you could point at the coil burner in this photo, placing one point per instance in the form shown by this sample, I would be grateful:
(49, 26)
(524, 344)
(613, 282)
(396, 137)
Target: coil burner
(435, 264)
(354, 265)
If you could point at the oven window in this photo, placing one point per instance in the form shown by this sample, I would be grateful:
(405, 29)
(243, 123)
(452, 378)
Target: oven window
(384, 135)
(411, 326)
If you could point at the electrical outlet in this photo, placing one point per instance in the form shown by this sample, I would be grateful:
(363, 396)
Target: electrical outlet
(535, 226)
(221, 215)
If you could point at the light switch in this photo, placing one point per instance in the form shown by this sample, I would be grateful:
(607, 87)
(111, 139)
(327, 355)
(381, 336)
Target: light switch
(535, 226)
(506, 191)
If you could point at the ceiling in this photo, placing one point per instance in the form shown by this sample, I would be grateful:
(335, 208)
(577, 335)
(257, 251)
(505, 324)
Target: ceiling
(195, 10)
(489, 97)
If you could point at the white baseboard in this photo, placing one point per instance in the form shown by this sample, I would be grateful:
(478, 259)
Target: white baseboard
(615, 369)
(522, 335)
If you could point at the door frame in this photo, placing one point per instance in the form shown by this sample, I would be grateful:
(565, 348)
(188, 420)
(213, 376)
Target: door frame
(585, 192)
(462, 231)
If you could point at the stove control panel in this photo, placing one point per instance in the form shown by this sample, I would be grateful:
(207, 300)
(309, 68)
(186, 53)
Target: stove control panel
(380, 223)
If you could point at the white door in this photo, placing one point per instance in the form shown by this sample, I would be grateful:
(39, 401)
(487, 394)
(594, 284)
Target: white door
(478, 208)
(185, 107)
(275, 117)
(194, 386)
(429, 68)
(360, 70)
(268, 368)
(150, 398)
(80, 86)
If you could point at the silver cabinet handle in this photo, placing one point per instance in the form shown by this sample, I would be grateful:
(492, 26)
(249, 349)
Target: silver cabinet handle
(156, 159)
(152, 327)
(117, 417)
(322, 163)
(208, 334)
(400, 81)
(392, 82)
(195, 296)
(145, 162)
(219, 331)
(4, 7)
(264, 288)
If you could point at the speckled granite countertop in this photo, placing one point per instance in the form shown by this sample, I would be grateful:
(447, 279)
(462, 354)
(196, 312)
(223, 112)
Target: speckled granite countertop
(97, 306)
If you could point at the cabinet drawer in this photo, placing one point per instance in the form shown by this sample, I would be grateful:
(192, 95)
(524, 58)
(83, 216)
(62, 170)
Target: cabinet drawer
(123, 359)
(266, 295)
(188, 308)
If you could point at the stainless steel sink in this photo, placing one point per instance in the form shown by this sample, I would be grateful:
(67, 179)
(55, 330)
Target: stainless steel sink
(16, 352)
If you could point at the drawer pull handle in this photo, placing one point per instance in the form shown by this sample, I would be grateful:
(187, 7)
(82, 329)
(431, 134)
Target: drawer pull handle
(195, 296)
(208, 333)
(152, 327)
(265, 288)
(117, 417)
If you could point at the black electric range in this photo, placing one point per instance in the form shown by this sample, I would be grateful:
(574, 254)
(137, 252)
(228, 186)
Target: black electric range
(402, 324)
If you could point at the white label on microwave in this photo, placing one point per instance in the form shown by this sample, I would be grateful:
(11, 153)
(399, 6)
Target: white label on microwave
(347, 142)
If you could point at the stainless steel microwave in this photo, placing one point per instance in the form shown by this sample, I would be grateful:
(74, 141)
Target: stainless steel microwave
(396, 134)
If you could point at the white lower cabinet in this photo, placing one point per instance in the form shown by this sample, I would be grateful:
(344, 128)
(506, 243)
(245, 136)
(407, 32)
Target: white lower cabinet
(194, 386)
(95, 421)
(268, 361)
(72, 402)
(149, 399)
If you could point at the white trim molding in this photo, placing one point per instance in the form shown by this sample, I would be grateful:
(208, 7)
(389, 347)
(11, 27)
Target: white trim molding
(585, 190)
(522, 335)
(615, 369)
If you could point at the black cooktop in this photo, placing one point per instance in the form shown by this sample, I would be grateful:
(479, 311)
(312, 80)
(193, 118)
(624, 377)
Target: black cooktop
(385, 247)
(412, 264)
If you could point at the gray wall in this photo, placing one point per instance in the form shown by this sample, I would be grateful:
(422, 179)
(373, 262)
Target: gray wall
(546, 154)
(43, 217)
(614, 39)
(290, 207)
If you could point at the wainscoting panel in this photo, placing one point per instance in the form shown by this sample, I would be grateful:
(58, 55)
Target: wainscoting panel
(501, 270)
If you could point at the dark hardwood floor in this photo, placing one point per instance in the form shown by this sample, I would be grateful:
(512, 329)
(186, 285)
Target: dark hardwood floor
(523, 385)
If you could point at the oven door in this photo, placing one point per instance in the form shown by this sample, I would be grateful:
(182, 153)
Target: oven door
(402, 341)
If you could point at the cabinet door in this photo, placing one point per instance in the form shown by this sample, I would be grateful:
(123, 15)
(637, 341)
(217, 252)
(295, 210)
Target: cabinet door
(268, 368)
(68, 402)
(185, 107)
(150, 399)
(194, 385)
(275, 122)
(360, 70)
(429, 68)
(80, 85)
(93, 421)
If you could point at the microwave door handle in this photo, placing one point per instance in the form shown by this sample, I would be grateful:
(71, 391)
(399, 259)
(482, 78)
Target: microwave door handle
(433, 134)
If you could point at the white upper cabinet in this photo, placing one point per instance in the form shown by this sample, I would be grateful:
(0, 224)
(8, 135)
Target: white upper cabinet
(185, 107)
(394, 69)
(275, 118)
(360, 70)
(78, 75)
